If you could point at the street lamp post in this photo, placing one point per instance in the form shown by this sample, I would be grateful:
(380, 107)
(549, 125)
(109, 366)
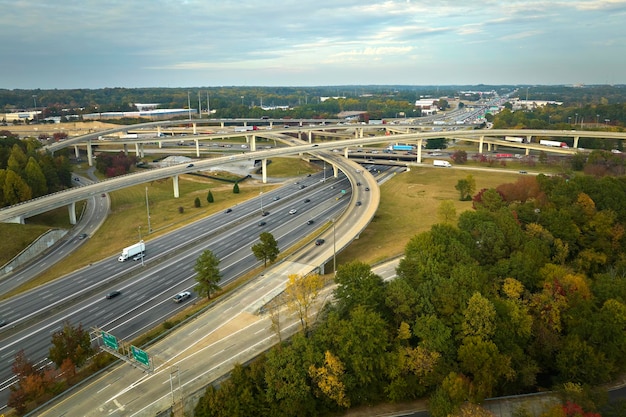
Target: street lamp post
(261, 194)
(597, 119)
(334, 249)
(148, 210)
(189, 104)
(35, 101)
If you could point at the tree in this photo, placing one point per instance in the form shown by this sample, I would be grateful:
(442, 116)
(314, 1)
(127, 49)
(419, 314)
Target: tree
(208, 274)
(302, 292)
(267, 249)
(236, 188)
(209, 197)
(15, 189)
(71, 343)
(196, 202)
(358, 285)
(466, 187)
(459, 157)
(35, 178)
(446, 212)
(329, 377)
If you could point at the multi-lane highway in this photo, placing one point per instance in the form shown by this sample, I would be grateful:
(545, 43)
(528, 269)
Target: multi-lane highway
(168, 269)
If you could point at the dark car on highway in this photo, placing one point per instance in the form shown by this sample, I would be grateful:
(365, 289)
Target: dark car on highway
(113, 294)
(319, 242)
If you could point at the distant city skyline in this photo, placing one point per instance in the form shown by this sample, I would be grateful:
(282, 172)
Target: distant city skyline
(193, 43)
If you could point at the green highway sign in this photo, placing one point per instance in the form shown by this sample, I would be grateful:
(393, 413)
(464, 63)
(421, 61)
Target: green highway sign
(109, 341)
(140, 356)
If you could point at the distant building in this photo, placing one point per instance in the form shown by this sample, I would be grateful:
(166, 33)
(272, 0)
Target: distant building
(427, 106)
(158, 114)
(531, 104)
(22, 116)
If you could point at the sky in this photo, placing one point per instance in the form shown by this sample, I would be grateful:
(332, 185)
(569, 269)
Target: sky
(63, 44)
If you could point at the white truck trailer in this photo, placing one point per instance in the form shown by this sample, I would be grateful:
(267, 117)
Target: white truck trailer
(440, 163)
(554, 143)
(132, 250)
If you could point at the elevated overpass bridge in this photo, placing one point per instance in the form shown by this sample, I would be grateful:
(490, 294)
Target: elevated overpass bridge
(482, 137)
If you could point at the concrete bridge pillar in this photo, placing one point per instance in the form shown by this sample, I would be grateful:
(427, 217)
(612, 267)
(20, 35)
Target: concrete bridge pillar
(72, 210)
(335, 171)
(160, 144)
(197, 142)
(137, 149)
(222, 125)
(176, 190)
(252, 142)
(195, 128)
(529, 139)
(345, 153)
(76, 151)
(158, 131)
(480, 144)
(126, 149)
(141, 151)
(576, 141)
(419, 151)
(89, 153)
(264, 170)
(310, 134)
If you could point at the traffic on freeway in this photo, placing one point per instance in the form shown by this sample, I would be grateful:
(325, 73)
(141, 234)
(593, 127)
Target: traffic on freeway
(143, 294)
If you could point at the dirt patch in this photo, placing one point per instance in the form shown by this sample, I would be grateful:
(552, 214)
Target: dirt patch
(71, 128)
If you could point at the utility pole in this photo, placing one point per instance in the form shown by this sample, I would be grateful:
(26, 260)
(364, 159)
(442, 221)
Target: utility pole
(189, 105)
(199, 106)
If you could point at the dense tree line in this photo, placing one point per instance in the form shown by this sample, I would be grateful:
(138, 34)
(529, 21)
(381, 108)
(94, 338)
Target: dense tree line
(26, 172)
(527, 292)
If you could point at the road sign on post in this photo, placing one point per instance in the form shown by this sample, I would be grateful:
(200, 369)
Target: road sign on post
(140, 356)
(109, 340)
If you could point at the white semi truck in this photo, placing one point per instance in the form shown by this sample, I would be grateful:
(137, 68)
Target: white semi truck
(132, 250)
(440, 163)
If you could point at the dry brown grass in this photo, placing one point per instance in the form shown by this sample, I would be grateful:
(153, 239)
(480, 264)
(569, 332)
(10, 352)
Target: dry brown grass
(408, 206)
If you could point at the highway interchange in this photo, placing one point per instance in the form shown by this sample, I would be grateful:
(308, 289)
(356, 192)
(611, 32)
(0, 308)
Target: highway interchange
(168, 268)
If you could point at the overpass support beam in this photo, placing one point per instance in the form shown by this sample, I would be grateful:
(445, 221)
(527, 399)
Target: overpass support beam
(197, 147)
(335, 171)
(89, 153)
(264, 170)
(310, 134)
(419, 150)
(480, 144)
(76, 151)
(72, 210)
(195, 128)
(529, 139)
(252, 142)
(222, 125)
(576, 141)
(176, 190)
